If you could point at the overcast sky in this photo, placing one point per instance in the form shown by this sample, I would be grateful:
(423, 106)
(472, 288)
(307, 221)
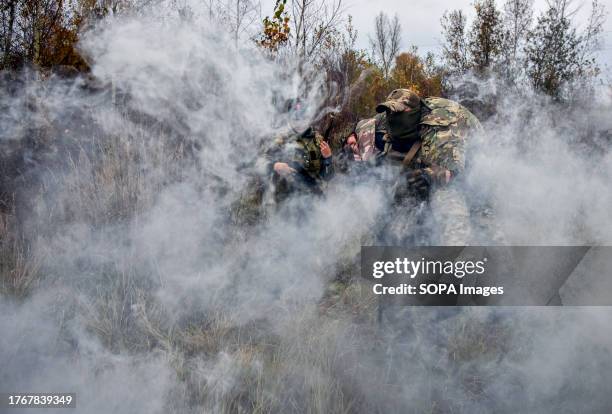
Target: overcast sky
(420, 20)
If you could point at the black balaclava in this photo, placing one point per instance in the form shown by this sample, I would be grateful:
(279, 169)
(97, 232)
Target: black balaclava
(404, 128)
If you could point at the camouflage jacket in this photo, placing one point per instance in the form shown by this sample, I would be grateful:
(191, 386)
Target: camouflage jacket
(444, 131)
(444, 128)
(302, 153)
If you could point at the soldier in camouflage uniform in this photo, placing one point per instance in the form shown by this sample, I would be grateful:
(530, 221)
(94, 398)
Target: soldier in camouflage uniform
(299, 162)
(361, 143)
(289, 163)
(427, 138)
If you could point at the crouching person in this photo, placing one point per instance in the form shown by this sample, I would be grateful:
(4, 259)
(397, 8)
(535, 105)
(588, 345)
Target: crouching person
(427, 138)
(300, 163)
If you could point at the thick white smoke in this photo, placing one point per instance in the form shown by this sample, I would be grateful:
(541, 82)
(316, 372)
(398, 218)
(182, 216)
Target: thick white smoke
(152, 299)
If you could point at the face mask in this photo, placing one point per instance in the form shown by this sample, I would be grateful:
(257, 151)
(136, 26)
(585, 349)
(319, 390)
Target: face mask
(404, 126)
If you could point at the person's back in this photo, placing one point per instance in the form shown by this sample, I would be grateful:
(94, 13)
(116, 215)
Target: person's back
(445, 127)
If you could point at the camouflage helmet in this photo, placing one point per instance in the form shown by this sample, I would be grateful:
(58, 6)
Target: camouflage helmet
(400, 100)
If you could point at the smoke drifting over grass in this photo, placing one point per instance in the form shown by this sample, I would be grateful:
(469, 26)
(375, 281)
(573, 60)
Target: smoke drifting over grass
(150, 295)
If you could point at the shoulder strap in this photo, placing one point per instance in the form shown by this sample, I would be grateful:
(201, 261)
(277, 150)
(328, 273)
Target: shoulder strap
(411, 153)
(387, 146)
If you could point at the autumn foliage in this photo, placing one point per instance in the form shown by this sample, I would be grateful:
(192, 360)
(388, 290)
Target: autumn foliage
(41, 33)
(276, 29)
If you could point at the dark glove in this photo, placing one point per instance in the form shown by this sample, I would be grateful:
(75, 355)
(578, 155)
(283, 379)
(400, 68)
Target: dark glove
(422, 180)
(419, 183)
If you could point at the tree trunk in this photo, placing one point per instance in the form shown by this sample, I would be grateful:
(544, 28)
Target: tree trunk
(9, 36)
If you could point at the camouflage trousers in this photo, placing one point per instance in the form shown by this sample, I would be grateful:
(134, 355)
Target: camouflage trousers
(442, 220)
(450, 216)
(459, 221)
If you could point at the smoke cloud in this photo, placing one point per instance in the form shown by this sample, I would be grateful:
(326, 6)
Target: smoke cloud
(152, 296)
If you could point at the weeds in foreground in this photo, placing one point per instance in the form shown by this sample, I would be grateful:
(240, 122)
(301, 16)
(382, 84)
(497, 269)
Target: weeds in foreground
(19, 265)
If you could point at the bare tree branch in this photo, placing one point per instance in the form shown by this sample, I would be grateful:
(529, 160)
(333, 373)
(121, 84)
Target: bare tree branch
(386, 42)
(314, 21)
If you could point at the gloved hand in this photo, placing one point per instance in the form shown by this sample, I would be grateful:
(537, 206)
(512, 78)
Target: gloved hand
(420, 181)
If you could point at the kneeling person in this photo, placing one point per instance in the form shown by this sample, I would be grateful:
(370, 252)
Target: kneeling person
(427, 137)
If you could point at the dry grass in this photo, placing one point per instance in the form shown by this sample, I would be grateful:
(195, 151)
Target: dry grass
(119, 179)
(19, 266)
(310, 364)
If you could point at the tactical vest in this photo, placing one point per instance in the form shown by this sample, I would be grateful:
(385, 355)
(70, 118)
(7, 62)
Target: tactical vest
(308, 154)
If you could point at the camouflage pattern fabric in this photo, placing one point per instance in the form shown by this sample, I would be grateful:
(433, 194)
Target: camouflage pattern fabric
(365, 132)
(444, 131)
(399, 100)
(302, 153)
(451, 216)
(307, 154)
(445, 126)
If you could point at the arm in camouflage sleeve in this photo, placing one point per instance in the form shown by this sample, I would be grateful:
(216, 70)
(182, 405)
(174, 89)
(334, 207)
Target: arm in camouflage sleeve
(444, 147)
(444, 132)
